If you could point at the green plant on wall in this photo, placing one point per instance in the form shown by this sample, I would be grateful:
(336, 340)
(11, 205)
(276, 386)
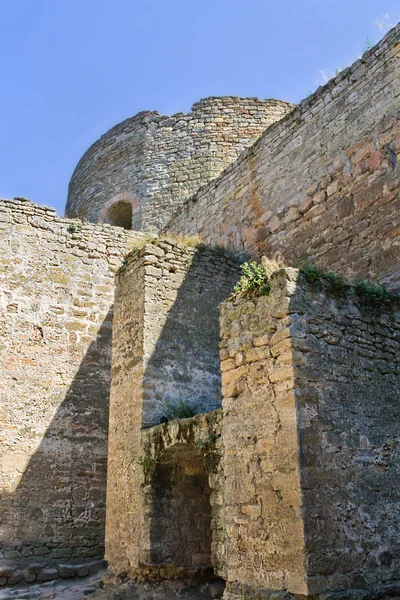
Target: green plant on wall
(74, 227)
(372, 295)
(254, 280)
(315, 276)
(179, 409)
(148, 464)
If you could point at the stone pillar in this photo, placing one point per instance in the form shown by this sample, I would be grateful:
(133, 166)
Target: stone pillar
(311, 439)
(265, 545)
(165, 356)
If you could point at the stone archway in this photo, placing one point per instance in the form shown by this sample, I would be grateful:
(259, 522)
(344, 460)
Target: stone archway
(122, 210)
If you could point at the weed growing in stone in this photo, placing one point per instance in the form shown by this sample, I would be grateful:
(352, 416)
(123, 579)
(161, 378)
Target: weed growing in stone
(208, 448)
(372, 295)
(74, 227)
(315, 276)
(369, 295)
(179, 409)
(254, 280)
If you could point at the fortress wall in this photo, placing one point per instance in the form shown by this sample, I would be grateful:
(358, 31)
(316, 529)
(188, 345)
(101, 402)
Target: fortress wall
(321, 183)
(165, 355)
(311, 433)
(160, 161)
(348, 372)
(56, 297)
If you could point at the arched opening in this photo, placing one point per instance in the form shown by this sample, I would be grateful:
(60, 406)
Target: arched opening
(122, 210)
(120, 215)
(181, 511)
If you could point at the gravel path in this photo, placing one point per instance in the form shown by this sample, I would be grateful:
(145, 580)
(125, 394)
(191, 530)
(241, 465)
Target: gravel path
(89, 587)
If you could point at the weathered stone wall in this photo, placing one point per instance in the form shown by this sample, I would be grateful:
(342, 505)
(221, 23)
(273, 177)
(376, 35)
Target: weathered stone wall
(165, 354)
(156, 162)
(348, 371)
(310, 443)
(56, 296)
(262, 500)
(178, 517)
(321, 183)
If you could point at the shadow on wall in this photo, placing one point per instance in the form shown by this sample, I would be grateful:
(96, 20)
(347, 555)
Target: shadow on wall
(180, 531)
(58, 509)
(183, 376)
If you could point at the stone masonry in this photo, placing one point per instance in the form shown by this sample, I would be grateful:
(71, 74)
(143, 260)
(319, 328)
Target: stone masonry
(310, 446)
(156, 162)
(322, 183)
(254, 442)
(55, 327)
(165, 352)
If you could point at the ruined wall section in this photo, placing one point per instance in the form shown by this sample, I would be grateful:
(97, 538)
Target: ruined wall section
(161, 161)
(323, 182)
(310, 450)
(165, 355)
(56, 297)
(262, 498)
(348, 371)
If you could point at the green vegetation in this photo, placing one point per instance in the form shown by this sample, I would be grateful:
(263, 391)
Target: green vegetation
(256, 276)
(211, 456)
(334, 283)
(254, 281)
(74, 227)
(179, 409)
(372, 295)
(369, 295)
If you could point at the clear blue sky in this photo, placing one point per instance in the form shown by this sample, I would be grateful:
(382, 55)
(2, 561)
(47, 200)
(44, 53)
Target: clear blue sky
(71, 69)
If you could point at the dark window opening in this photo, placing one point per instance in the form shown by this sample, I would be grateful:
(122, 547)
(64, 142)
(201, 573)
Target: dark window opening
(120, 215)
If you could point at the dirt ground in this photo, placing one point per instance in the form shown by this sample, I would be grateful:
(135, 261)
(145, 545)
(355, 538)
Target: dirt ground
(90, 587)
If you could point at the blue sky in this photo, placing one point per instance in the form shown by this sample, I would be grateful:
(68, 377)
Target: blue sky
(71, 69)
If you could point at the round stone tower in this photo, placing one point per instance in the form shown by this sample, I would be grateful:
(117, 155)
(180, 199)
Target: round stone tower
(138, 173)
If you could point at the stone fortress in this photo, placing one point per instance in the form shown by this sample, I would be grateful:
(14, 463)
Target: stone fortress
(284, 483)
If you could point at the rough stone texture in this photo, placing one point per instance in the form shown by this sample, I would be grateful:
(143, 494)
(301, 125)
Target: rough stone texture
(165, 350)
(321, 183)
(304, 369)
(156, 162)
(56, 295)
(262, 508)
(182, 493)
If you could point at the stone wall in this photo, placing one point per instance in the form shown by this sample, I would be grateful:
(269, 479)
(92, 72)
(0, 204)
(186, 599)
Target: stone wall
(165, 356)
(262, 496)
(156, 162)
(321, 183)
(56, 297)
(183, 515)
(310, 443)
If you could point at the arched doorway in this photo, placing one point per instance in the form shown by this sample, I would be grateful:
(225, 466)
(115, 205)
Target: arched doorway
(122, 210)
(120, 215)
(180, 532)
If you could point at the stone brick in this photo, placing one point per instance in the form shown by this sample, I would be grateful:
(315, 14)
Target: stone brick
(304, 213)
(178, 155)
(47, 575)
